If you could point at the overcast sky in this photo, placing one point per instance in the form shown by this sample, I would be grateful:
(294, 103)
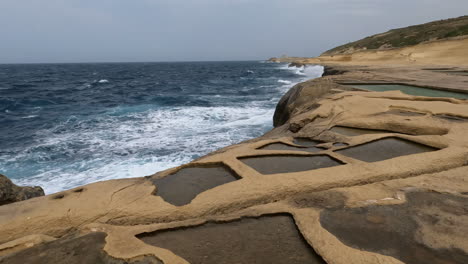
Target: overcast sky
(187, 30)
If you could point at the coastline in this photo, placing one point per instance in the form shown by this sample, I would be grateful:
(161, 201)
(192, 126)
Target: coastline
(87, 136)
(358, 155)
(123, 209)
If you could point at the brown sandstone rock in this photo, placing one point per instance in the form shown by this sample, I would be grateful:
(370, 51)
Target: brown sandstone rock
(10, 193)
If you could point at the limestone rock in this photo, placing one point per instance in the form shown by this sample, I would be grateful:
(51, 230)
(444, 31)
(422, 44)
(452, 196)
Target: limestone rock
(301, 98)
(10, 193)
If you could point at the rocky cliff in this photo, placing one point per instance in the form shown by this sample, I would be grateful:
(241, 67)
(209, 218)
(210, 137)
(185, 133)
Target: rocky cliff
(408, 36)
(443, 42)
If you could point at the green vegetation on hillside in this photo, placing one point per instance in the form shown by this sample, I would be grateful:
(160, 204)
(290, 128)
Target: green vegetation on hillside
(402, 37)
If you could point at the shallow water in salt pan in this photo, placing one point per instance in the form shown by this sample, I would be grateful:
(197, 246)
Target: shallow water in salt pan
(384, 149)
(411, 90)
(265, 240)
(288, 163)
(183, 186)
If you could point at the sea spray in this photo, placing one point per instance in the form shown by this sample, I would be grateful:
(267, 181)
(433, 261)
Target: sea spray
(148, 116)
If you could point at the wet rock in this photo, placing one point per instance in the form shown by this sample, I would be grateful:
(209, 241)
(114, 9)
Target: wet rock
(287, 163)
(10, 193)
(308, 146)
(183, 186)
(282, 112)
(73, 250)
(351, 131)
(384, 149)
(301, 98)
(296, 64)
(326, 199)
(413, 232)
(332, 71)
(452, 118)
(266, 240)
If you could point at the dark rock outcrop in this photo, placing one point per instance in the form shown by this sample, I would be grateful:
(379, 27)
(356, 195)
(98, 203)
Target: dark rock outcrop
(296, 64)
(327, 71)
(302, 97)
(72, 250)
(10, 193)
(282, 112)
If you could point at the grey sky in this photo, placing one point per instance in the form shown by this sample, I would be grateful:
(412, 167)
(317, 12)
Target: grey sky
(167, 30)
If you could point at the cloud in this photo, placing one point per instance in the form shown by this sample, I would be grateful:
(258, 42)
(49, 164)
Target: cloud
(151, 30)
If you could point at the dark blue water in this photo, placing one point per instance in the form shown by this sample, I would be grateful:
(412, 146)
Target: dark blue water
(64, 125)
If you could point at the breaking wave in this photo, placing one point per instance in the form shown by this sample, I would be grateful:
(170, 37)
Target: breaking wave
(151, 117)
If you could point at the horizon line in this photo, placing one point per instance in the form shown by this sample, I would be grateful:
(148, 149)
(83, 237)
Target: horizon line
(109, 62)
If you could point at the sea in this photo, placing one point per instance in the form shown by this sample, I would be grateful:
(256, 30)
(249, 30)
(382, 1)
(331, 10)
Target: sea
(66, 125)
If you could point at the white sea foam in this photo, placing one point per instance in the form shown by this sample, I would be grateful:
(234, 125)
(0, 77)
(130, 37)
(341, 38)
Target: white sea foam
(29, 116)
(306, 73)
(309, 71)
(120, 148)
(284, 81)
(138, 141)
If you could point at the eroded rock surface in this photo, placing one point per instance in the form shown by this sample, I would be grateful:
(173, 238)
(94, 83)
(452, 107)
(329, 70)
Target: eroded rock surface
(10, 193)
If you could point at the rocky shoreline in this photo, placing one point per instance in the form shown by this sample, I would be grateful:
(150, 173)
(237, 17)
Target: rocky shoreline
(346, 176)
(11, 193)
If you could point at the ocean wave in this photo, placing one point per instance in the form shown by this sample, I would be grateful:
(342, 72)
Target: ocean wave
(29, 116)
(169, 117)
(284, 81)
(305, 73)
(308, 71)
(138, 143)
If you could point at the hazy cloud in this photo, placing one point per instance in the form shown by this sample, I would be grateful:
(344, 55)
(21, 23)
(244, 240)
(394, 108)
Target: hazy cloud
(161, 30)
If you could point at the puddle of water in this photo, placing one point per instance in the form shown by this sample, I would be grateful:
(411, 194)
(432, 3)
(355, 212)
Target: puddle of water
(384, 149)
(306, 142)
(266, 240)
(183, 186)
(392, 229)
(438, 69)
(350, 131)
(281, 146)
(287, 163)
(453, 118)
(340, 144)
(403, 113)
(462, 73)
(411, 90)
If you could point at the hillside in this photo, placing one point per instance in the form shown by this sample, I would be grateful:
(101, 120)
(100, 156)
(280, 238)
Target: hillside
(408, 36)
